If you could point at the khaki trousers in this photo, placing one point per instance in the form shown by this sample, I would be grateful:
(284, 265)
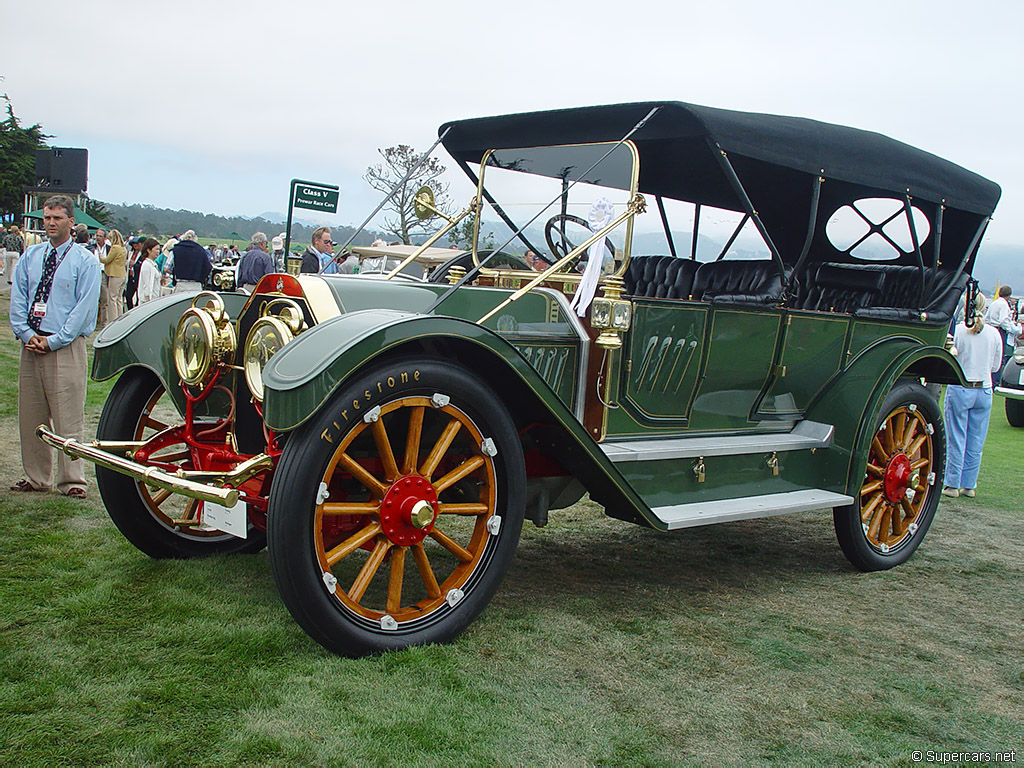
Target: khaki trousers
(10, 262)
(51, 391)
(111, 289)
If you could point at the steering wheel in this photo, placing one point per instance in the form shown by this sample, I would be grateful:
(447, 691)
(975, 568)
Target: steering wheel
(565, 245)
(465, 260)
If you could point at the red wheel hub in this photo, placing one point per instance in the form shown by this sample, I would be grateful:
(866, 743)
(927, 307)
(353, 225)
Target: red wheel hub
(897, 478)
(408, 510)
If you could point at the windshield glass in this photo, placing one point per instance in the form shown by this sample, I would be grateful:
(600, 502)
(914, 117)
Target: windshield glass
(558, 196)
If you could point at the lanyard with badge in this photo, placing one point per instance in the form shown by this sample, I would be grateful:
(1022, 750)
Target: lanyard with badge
(43, 291)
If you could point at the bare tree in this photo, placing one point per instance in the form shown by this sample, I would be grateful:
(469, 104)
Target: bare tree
(403, 222)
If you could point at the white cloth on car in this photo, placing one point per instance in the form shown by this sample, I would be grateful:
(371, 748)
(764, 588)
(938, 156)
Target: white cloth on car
(600, 216)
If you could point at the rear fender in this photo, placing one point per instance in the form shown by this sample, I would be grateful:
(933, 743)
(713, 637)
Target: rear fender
(851, 404)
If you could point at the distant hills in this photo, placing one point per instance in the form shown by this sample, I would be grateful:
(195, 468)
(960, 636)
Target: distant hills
(164, 222)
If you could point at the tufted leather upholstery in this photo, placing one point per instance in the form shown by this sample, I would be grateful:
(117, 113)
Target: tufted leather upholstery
(662, 277)
(738, 282)
(877, 291)
(839, 287)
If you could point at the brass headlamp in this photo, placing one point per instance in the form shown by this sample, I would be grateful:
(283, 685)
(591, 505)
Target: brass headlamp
(204, 338)
(267, 336)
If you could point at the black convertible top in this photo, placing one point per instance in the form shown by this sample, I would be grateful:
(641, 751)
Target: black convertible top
(770, 152)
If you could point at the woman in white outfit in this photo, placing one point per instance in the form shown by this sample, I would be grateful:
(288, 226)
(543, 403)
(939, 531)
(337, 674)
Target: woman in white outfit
(149, 275)
(967, 409)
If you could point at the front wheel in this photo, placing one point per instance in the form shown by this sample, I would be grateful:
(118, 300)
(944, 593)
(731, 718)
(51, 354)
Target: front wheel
(902, 480)
(160, 523)
(395, 512)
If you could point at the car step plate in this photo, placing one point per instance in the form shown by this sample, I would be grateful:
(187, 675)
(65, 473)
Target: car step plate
(748, 507)
(804, 436)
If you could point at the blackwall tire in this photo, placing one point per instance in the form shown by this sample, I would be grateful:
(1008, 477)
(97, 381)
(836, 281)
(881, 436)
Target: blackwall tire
(396, 510)
(1014, 412)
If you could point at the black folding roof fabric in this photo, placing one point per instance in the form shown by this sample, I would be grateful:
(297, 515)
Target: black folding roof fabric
(677, 161)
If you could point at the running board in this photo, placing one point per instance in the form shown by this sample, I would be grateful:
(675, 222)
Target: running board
(804, 436)
(749, 507)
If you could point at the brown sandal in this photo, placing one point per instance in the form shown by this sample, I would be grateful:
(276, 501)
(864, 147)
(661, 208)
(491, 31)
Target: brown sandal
(24, 486)
(76, 493)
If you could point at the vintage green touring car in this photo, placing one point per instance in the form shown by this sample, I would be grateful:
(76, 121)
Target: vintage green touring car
(386, 436)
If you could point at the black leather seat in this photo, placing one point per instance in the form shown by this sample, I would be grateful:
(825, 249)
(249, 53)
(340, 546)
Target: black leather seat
(877, 291)
(661, 277)
(833, 287)
(739, 282)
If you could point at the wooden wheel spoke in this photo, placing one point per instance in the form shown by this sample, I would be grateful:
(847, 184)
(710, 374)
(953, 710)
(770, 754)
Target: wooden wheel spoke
(351, 508)
(412, 440)
(916, 445)
(897, 522)
(908, 434)
(463, 554)
(161, 495)
(870, 487)
(874, 470)
(394, 601)
(867, 512)
(880, 530)
(920, 463)
(352, 543)
(426, 572)
(462, 509)
(878, 451)
(387, 456)
(909, 509)
(887, 439)
(898, 424)
(369, 570)
(465, 468)
(152, 423)
(360, 473)
(440, 448)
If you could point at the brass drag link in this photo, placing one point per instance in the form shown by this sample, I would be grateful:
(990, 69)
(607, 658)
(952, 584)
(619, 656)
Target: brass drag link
(149, 475)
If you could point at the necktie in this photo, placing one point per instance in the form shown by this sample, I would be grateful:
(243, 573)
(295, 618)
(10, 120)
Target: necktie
(43, 289)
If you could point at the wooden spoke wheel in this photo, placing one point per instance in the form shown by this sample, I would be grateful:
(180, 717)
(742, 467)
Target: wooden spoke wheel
(901, 482)
(395, 525)
(157, 521)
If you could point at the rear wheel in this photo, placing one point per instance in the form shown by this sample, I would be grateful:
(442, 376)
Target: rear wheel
(394, 514)
(1015, 412)
(158, 522)
(902, 479)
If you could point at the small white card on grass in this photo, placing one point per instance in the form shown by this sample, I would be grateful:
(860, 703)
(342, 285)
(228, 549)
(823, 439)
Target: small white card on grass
(233, 520)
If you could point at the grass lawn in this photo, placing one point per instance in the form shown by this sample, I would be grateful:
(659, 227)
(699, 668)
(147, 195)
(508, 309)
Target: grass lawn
(747, 643)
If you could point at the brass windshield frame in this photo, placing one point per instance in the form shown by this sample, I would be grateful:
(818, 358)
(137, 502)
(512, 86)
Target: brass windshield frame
(634, 183)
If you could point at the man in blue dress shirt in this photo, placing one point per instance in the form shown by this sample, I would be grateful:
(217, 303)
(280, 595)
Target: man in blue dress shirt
(54, 300)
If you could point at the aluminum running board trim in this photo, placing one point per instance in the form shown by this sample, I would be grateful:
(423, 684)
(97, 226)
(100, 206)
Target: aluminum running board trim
(804, 436)
(747, 508)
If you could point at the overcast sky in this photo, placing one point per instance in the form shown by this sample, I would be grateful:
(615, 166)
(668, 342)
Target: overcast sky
(215, 106)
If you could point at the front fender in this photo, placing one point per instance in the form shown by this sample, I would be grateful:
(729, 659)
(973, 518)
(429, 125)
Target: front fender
(144, 336)
(301, 378)
(303, 375)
